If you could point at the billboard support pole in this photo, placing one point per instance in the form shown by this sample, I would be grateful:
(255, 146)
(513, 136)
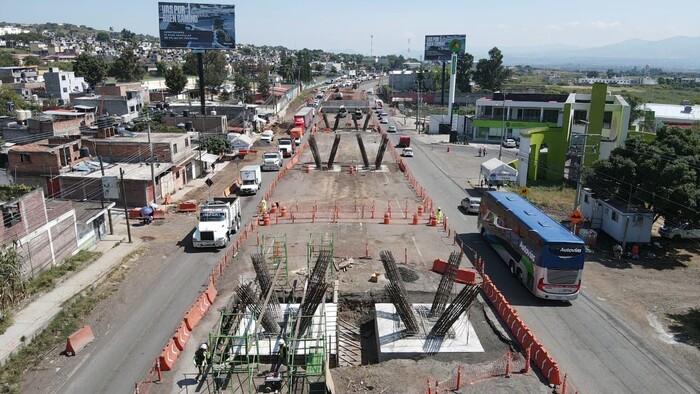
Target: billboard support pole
(453, 86)
(200, 71)
(442, 91)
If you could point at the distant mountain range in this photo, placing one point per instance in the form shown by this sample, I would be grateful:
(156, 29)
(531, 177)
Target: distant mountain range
(676, 53)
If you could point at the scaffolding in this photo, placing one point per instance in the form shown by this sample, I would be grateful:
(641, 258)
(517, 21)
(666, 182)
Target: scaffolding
(231, 351)
(274, 248)
(320, 243)
(308, 354)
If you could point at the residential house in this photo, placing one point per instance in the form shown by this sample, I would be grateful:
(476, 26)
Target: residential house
(19, 74)
(622, 221)
(60, 84)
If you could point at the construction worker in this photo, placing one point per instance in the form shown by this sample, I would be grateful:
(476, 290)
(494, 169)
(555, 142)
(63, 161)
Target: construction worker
(282, 353)
(439, 215)
(263, 207)
(200, 360)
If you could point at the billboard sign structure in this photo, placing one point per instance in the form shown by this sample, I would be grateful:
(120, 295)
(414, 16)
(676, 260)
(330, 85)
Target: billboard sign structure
(196, 26)
(441, 48)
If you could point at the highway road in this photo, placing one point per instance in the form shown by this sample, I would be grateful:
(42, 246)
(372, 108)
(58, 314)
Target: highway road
(597, 349)
(124, 354)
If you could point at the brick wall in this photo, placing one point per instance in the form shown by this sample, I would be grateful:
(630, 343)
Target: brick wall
(39, 163)
(64, 238)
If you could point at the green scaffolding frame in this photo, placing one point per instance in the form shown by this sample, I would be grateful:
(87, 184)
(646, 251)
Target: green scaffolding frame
(230, 348)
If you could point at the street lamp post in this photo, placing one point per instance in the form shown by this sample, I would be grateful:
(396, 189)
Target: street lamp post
(503, 127)
(581, 161)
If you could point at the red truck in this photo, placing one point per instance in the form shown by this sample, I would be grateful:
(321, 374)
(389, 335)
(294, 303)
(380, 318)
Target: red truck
(404, 141)
(302, 121)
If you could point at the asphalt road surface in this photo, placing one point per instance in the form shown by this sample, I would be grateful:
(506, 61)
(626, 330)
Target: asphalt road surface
(127, 351)
(598, 350)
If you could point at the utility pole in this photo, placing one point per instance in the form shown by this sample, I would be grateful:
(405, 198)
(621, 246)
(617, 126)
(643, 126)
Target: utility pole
(150, 154)
(126, 208)
(580, 166)
(503, 127)
(102, 199)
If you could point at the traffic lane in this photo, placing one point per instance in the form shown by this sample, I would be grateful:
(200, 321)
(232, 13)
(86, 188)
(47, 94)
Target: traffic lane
(126, 352)
(614, 360)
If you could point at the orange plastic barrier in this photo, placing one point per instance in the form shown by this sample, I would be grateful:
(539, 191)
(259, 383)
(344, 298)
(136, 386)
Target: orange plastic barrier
(188, 206)
(182, 335)
(159, 214)
(193, 317)
(169, 356)
(134, 213)
(78, 340)
(463, 275)
(211, 293)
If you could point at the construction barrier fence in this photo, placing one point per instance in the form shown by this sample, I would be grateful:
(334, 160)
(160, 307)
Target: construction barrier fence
(470, 374)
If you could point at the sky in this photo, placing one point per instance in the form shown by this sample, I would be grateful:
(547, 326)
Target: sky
(399, 27)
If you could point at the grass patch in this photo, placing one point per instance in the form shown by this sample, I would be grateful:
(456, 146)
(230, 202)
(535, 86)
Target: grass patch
(557, 200)
(6, 320)
(69, 319)
(46, 280)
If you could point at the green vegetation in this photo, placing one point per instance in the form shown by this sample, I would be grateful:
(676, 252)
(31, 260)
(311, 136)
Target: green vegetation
(46, 280)
(175, 79)
(9, 192)
(71, 317)
(6, 320)
(217, 144)
(92, 68)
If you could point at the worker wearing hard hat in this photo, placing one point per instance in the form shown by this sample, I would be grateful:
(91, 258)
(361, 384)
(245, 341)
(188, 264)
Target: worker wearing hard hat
(439, 215)
(263, 207)
(282, 353)
(201, 356)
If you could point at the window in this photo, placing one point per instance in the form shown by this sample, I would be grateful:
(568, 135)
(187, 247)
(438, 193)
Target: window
(580, 115)
(25, 158)
(187, 142)
(585, 198)
(63, 77)
(174, 148)
(550, 116)
(607, 119)
(65, 90)
(10, 214)
(614, 216)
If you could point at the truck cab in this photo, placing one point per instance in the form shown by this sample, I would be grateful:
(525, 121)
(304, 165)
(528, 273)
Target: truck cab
(286, 147)
(272, 161)
(217, 221)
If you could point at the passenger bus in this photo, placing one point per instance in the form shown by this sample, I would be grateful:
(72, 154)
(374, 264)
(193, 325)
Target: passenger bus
(542, 254)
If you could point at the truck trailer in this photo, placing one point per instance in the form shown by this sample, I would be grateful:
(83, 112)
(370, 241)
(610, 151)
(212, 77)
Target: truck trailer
(217, 221)
(251, 179)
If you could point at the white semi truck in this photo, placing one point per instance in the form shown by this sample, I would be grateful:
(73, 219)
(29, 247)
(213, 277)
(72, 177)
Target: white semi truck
(217, 221)
(251, 178)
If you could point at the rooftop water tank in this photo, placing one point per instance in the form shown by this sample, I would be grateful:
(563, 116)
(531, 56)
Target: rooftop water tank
(28, 113)
(213, 112)
(84, 152)
(21, 115)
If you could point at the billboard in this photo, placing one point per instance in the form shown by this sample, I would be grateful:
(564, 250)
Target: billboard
(196, 26)
(441, 47)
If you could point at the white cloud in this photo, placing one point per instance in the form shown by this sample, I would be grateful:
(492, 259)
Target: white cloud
(502, 26)
(552, 27)
(573, 24)
(600, 25)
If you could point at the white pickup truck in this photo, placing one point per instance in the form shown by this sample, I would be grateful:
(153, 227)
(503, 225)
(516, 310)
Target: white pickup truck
(217, 221)
(683, 231)
(272, 161)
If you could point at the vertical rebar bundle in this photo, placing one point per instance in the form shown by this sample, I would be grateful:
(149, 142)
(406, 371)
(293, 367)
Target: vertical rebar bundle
(265, 281)
(314, 151)
(380, 152)
(249, 298)
(403, 308)
(318, 274)
(455, 310)
(334, 151)
(446, 283)
(315, 291)
(361, 143)
(392, 273)
(397, 292)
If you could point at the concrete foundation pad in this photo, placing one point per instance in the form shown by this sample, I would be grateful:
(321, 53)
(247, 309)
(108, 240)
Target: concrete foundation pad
(392, 343)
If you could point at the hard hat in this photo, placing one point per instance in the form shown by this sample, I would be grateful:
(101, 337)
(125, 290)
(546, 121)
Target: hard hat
(439, 209)
(204, 346)
(281, 342)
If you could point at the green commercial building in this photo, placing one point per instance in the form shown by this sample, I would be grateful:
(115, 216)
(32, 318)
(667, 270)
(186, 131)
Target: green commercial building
(554, 130)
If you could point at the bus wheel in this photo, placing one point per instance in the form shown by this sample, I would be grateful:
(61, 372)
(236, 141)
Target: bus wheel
(511, 266)
(519, 275)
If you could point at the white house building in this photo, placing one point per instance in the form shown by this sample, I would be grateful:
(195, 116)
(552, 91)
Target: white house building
(60, 84)
(623, 222)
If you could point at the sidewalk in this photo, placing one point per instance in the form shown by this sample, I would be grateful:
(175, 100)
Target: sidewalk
(194, 184)
(35, 316)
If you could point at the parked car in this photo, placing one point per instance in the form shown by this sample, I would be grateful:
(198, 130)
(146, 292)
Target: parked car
(509, 143)
(682, 231)
(267, 136)
(407, 152)
(471, 204)
(392, 129)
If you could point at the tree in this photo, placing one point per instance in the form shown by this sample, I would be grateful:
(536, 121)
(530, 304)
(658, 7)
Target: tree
(175, 79)
(636, 111)
(592, 74)
(464, 72)
(663, 175)
(215, 72)
(7, 60)
(161, 67)
(190, 66)
(126, 67)
(491, 74)
(304, 65)
(102, 36)
(263, 85)
(7, 94)
(242, 88)
(92, 68)
(32, 60)
(128, 36)
(318, 67)
(610, 73)
(217, 144)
